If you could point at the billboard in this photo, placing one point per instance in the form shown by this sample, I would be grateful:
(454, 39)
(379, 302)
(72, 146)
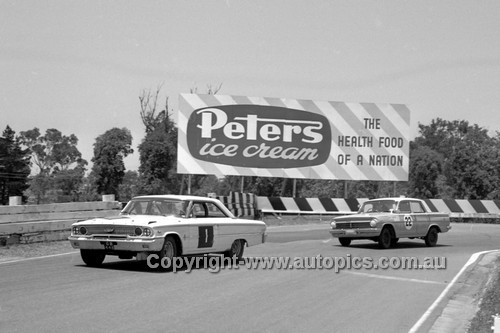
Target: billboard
(279, 137)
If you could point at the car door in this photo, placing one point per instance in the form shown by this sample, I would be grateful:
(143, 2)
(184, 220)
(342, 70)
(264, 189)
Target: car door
(203, 228)
(420, 218)
(405, 228)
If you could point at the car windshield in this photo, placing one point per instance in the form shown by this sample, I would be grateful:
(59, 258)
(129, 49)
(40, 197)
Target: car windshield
(155, 206)
(374, 206)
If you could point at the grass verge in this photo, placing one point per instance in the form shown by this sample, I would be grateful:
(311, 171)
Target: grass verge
(489, 304)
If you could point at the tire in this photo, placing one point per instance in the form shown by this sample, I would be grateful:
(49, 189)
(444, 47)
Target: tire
(92, 258)
(385, 238)
(344, 241)
(236, 250)
(394, 242)
(168, 250)
(431, 238)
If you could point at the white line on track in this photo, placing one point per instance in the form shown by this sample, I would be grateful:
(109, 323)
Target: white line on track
(433, 306)
(33, 258)
(377, 276)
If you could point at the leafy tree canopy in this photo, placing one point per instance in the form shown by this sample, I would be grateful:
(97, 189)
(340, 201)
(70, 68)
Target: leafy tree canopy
(110, 149)
(14, 166)
(53, 150)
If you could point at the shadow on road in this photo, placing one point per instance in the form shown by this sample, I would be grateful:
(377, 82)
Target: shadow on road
(399, 245)
(184, 264)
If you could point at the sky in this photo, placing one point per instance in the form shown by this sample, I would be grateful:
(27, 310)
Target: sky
(80, 66)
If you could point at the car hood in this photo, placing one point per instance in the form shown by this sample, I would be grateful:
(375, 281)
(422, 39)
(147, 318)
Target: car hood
(139, 220)
(361, 217)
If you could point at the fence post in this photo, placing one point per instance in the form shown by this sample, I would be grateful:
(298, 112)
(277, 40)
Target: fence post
(15, 201)
(108, 197)
(496, 323)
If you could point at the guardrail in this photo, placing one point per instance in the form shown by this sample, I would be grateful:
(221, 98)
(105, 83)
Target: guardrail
(49, 222)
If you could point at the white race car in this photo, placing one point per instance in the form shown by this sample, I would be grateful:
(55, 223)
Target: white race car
(386, 220)
(168, 226)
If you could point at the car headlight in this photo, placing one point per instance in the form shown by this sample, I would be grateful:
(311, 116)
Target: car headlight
(79, 230)
(334, 225)
(373, 223)
(146, 232)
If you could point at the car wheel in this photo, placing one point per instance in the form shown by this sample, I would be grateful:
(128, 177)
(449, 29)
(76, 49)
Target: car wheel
(385, 238)
(92, 258)
(394, 242)
(168, 252)
(432, 237)
(236, 250)
(345, 241)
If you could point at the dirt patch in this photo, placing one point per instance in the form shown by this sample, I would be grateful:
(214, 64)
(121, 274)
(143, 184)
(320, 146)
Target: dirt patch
(15, 251)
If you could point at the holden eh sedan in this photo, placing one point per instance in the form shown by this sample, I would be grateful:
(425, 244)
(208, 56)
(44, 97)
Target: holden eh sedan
(168, 226)
(387, 220)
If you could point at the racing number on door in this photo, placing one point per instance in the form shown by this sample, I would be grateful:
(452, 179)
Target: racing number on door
(205, 236)
(408, 222)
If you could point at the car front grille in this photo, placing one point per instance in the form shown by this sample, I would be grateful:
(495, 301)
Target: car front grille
(352, 225)
(110, 229)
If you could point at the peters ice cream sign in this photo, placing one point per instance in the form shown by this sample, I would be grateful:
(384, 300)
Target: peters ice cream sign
(275, 137)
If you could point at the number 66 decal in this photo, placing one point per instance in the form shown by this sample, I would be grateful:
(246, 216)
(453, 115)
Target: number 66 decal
(408, 222)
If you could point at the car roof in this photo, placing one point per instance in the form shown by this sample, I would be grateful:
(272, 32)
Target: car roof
(396, 199)
(176, 197)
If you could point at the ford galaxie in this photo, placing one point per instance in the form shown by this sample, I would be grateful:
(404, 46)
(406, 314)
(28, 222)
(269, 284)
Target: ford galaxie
(168, 226)
(387, 220)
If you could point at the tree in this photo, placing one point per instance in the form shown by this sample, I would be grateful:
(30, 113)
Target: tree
(129, 187)
(61, 167)
(110, 149)
(14, 166)
(469, 156)
(426, 165)
(69, 181)
(52, 151)
(471, 168)
(158, 149)
(443, 135)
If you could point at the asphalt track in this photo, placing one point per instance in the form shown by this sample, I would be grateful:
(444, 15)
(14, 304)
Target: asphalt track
(60, 294)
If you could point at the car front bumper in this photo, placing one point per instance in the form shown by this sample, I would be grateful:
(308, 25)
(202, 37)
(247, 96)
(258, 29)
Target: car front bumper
(355, 233)
(117, 244)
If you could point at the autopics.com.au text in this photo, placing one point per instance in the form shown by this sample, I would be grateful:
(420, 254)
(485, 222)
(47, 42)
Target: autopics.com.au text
(216, 263)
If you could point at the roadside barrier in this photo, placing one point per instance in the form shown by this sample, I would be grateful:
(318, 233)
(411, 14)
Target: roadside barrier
(51, 222)
(461, 209)
(311, 206)
(466, 208)
(38, 223)
(48, 222)
(240, 204)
